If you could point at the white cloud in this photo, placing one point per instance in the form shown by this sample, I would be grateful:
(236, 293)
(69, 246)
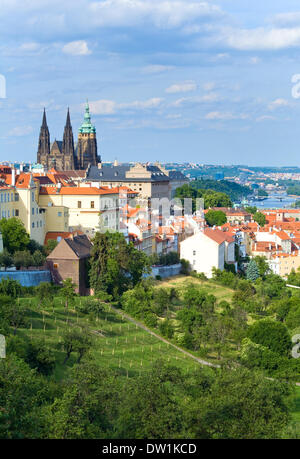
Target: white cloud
(186, 86)
(162, 14)
(150, 103)
(20, 131)
(77, 48)
(224, 116)
(30, 47)
(206, 98)
(152, 69)
(109, 107)
(103, 107)
(262, 38)
(209, 86)
(278, 103)
(254, 60)
(265, 118)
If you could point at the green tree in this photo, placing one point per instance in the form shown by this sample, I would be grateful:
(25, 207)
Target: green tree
(239, 404)
(87, 408)
(22, 394)
(68, 292)
(262, 265)
(14, 234)
(252, 272)
(260, 218)
(23, 259)
(50, 246)
(115, 265)
(6, 259)
(251, 209)
(10, 287)
(41, 357)
(215, 218)
(44, 293)
(76, 340)
(150, 406)
(14, 313)
(38, 258)
(271, 334)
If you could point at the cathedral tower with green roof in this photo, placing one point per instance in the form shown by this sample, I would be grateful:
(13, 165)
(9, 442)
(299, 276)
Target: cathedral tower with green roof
(87, 153)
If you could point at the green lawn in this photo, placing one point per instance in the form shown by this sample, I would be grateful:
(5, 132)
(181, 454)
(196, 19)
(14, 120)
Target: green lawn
(220, 292)
(118, 344)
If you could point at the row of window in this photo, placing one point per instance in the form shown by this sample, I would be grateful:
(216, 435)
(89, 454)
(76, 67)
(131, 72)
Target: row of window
(38, 224)
(107, 204)
(6, 214)
(9, 197)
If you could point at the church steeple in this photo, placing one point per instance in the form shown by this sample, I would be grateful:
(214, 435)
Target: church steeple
(87, 153)
(68, 145)
(44, 141)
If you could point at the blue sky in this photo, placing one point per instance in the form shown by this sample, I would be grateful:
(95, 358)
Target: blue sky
(168, 80)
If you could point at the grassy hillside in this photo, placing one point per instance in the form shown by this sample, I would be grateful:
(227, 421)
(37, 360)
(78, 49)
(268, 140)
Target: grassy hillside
(118, 343)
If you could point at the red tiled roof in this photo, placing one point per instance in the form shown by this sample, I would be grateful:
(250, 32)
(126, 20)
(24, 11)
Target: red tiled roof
(218, 235)
(52, 235)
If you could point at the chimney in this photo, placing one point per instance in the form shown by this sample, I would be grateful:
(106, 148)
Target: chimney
(99, 165)
(116, 163)
(21, 167)
(13, 177)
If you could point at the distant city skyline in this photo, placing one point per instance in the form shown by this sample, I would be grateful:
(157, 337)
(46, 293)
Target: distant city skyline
(172, 81)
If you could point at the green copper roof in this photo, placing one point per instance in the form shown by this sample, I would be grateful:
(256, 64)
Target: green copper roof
(87, 127)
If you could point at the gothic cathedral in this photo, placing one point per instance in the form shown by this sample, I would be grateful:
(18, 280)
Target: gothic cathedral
(64, 156)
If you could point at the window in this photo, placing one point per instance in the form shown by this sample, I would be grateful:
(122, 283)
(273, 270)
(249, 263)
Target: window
(16, 197)
(41, 223)
(79, 204)
(32, 196)
(17, 212)
(32, 225)
(12, 196)
(92, 204)
(194, 252)
(37, 224)
(8, 214)
(32, 211)
(7, 197)
(59, 214)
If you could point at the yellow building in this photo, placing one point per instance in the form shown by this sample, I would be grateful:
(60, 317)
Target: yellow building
(85, 208)
(19, 199)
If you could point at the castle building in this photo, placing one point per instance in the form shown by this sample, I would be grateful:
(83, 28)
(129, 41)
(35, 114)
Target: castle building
(64, 155)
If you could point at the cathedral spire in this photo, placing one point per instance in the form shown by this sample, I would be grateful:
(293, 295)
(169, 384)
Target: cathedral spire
(44, 141)
(68, 145)
(44, 123)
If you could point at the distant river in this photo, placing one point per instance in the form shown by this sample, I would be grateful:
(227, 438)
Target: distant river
(279, 201)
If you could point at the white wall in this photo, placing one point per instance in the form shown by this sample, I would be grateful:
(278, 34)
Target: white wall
(203, 253)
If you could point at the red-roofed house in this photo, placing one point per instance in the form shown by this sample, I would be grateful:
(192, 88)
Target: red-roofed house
(208, 249)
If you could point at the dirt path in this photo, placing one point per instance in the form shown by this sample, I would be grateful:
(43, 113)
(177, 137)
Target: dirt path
(139, 324)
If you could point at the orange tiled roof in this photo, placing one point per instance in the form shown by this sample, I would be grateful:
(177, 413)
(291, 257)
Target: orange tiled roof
(217, 235)
(77, 191)
(52, 235)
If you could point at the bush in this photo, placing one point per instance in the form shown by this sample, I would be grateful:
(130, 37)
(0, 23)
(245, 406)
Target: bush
(150, 320)
(23, 259)
(6, 259)
(166, 328)
(271, 334)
